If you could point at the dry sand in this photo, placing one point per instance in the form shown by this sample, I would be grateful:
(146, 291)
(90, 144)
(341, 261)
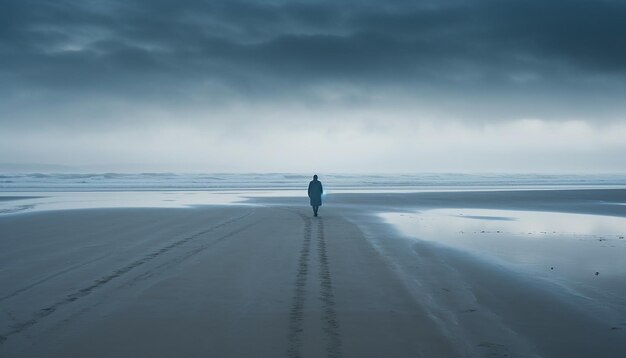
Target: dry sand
(269, 280)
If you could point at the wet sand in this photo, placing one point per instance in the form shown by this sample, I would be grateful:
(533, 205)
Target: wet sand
(269, 280)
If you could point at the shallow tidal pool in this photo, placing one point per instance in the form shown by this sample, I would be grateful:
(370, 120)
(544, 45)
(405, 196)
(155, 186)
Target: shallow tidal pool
(584, 253)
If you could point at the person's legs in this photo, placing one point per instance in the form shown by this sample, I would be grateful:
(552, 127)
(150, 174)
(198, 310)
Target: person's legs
(315, 207)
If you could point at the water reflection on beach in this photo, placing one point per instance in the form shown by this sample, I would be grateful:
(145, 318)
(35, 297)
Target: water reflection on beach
(44, 201)
(582, 252)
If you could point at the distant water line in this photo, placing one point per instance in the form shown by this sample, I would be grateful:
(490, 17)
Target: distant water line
(25, 182)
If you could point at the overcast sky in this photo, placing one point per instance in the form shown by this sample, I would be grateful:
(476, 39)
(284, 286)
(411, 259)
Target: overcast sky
(313, 86)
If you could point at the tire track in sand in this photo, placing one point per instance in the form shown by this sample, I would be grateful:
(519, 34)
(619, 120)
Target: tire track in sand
(76, 295)
(296, 312)
(330, 323)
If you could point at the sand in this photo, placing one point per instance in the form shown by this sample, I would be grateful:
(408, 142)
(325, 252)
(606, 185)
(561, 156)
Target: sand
(270, 280)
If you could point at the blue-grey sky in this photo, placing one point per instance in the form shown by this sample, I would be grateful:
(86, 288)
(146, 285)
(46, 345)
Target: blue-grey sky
(390, 86)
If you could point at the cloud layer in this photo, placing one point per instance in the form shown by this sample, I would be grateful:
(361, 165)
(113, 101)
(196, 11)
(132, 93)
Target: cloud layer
(80, 65)
(219, 50)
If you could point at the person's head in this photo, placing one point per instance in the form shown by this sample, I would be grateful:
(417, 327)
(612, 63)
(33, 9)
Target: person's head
(315, 177)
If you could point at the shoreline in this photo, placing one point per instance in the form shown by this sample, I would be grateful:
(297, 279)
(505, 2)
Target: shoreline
(597, 201)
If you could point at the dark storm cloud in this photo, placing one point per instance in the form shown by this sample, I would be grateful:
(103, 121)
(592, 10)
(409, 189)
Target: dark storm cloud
(157, 50)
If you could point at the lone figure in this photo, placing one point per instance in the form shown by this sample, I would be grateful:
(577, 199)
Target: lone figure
(315, 194)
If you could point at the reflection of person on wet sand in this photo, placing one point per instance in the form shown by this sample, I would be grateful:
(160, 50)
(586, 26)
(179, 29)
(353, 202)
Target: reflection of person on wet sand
(315, 194)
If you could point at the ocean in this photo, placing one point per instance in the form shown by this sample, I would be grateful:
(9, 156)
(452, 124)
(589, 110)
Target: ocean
(28, 182)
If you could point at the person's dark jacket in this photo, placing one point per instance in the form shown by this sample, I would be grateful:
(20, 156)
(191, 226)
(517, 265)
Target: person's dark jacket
(315, 192)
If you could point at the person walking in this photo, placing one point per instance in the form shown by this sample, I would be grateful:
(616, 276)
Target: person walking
(315, 194)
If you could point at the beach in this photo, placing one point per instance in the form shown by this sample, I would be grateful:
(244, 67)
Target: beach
(261, 277)
(163, 165)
